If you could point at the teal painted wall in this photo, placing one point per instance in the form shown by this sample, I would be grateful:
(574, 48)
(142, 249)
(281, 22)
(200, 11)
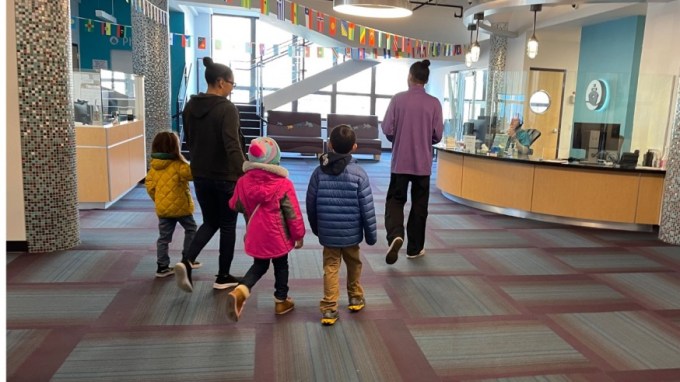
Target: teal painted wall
(177, 58)
(94, 45)
(611, 52)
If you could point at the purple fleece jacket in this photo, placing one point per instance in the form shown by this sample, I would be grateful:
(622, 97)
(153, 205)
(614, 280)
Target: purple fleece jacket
(413, 123)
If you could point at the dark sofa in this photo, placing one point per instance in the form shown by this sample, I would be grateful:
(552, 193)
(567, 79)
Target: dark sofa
(366, 130)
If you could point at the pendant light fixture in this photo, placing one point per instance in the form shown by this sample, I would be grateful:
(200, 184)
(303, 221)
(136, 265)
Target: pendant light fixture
(475, 49)
(468, 53)
(384, 9)
(532, 44)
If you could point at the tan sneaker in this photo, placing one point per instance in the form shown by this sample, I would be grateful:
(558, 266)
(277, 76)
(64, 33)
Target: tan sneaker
(236, 299)
(329, 317)
(284, 306)
(356, 304)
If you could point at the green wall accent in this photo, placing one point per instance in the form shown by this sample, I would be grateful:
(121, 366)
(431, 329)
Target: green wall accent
(177, 58)
(94, 45)
(611, 52)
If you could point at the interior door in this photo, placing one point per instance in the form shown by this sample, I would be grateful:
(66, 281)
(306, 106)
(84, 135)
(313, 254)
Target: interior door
(543, 116)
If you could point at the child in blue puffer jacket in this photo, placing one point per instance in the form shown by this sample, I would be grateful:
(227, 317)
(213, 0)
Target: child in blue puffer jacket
(341, 213)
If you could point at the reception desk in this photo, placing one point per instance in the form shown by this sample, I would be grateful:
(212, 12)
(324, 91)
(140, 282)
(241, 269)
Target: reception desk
(579, 194)
(110, 161)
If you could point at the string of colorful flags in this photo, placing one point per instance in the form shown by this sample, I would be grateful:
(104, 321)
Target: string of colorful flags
(376, 43)
(106, 29)
(396, 45)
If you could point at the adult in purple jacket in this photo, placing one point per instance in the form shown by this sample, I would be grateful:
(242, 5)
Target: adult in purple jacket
(413, 123)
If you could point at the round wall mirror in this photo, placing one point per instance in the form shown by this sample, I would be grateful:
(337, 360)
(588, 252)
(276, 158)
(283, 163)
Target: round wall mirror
(539, 102)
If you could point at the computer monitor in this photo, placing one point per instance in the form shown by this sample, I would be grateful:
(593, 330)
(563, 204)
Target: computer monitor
(81, 112)
(597, 139)
(483, 128)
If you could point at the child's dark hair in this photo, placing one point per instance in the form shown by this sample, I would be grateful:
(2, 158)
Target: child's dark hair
(213, 71)
(420, 71)
(343, 139)
(167, 142)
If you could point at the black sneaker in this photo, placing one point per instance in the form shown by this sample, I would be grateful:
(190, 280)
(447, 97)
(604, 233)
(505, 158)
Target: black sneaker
(165, 271)
(393, 251)
(183, 279)
(224, 282)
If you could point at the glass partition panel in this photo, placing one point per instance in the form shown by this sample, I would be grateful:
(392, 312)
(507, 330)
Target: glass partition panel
(101, 97)
(591, 116)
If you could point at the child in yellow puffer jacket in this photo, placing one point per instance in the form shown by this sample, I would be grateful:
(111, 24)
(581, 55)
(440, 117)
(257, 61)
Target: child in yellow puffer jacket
(168, 186)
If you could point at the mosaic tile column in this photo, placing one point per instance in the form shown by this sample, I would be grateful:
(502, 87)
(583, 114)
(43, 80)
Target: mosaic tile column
(48, 150)
(497, 54)
(669, 230)
(151, 59)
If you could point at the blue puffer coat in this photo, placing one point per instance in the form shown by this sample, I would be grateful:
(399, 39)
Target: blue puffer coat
(340, 203)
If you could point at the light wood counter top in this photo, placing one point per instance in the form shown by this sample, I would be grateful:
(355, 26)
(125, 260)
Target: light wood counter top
(581, 194)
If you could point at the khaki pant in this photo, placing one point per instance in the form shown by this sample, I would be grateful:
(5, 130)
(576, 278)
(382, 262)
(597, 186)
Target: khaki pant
(332, 258)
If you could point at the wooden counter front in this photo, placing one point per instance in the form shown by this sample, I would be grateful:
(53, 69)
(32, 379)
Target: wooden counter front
(110, 160)
(578, 192)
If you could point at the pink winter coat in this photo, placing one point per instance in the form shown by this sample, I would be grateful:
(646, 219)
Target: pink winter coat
(267, 198)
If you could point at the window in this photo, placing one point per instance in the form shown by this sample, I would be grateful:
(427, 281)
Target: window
(357, 83)
(234, 35)
(381, 105)
(351, 104)
(277, 72)
(391, 77)
(315, 103)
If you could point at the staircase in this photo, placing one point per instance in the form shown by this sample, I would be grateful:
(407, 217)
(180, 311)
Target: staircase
(251, 127)
(251, 124)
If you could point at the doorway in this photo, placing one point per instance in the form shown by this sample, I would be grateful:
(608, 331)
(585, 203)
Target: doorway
(543, 112)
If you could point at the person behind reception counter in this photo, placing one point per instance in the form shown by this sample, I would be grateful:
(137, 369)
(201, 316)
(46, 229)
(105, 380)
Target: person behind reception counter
(518, 136)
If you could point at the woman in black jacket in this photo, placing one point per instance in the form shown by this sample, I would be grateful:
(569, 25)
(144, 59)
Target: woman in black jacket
(212, 131)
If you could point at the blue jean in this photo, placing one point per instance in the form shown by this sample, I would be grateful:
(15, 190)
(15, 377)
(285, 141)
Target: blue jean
(260, 267)
(213, 196)
(166, 227)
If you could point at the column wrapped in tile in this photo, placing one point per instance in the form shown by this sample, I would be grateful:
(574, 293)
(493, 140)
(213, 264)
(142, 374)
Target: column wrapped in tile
(48, 153)
(669, 230)
(151, 59)
(497, 56)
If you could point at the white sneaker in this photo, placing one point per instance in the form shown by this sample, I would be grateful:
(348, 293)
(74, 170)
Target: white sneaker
(417, 255)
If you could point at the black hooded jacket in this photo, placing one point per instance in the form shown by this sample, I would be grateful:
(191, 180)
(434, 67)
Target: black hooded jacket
(334, 163)
(213, 134)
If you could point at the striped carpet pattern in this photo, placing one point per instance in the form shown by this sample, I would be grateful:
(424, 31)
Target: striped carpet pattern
(496, 298)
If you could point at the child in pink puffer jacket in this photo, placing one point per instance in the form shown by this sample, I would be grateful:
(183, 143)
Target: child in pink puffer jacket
(275, 225)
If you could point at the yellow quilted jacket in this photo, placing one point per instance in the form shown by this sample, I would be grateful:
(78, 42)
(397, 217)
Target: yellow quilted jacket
(168, 186)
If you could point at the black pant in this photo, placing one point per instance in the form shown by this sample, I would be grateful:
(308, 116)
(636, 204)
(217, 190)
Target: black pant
(260, 267)
(213, 196)
(394, 209)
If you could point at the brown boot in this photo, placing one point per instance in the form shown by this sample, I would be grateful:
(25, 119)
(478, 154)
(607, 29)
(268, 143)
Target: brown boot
(236, 299)
(284, 306)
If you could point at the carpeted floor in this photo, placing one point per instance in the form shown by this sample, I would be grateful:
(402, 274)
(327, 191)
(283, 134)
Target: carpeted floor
(495, 299)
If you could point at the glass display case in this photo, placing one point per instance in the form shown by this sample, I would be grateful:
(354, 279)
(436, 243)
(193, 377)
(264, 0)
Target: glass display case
(105, 97)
